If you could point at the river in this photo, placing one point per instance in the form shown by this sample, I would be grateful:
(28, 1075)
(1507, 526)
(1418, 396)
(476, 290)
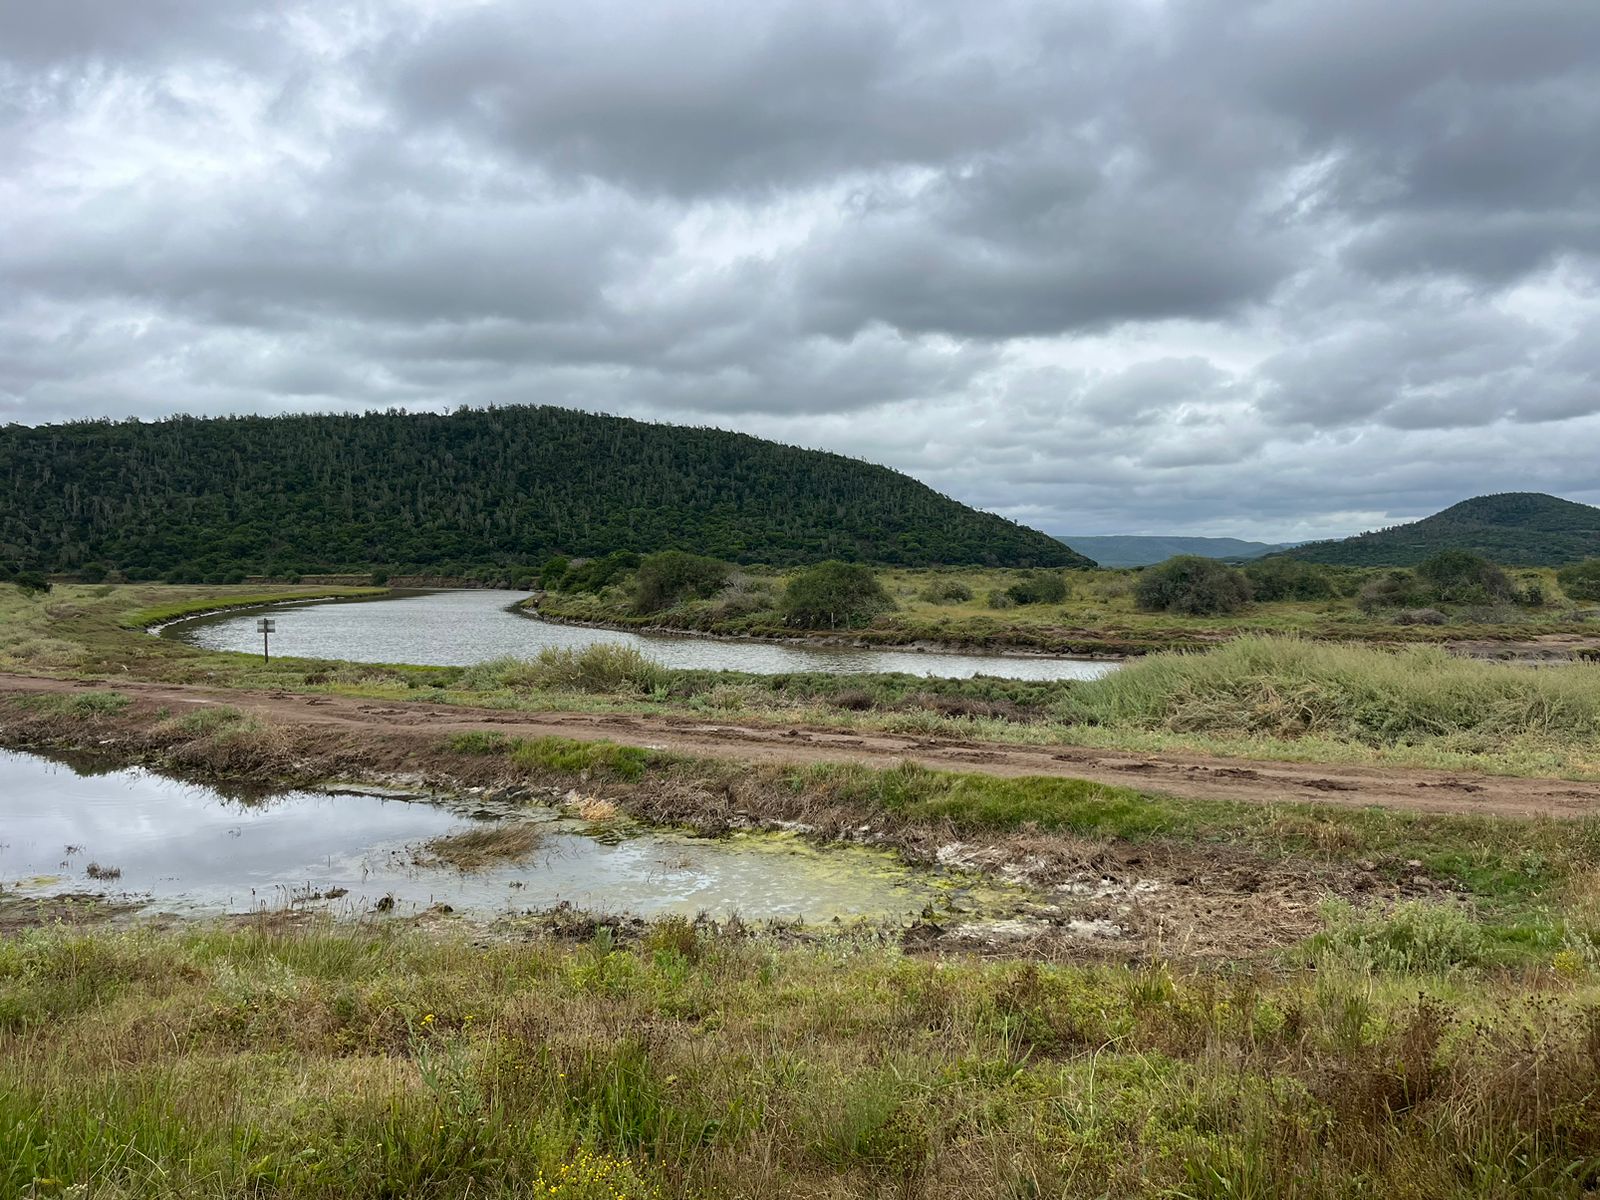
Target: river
(459, 628)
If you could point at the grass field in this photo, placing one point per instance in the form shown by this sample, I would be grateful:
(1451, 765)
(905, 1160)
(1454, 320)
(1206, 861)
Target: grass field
(1254, 696)
(375, 1062)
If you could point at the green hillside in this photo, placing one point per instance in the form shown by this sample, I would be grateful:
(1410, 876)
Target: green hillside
(1135, 550)
(490, 487)
(1523, 529)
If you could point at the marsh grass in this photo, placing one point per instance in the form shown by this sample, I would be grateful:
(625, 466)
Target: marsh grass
(600, 668)
(347, 1063)
(1287, 688)
(476, 849)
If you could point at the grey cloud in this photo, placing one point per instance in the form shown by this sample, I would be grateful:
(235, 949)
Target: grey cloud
(1274, 269)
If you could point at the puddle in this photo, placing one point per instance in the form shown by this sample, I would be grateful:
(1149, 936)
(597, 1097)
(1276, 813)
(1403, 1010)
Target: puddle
(175, 846)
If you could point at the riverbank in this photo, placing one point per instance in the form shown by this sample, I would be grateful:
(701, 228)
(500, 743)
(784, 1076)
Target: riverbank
(867, 639)
(972, 609)
(1215, 871)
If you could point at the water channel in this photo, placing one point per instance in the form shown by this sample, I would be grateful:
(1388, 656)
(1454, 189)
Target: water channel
(157, 842)
(459, 628)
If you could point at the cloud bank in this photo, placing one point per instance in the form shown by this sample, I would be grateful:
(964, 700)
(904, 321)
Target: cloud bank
(1277, 269)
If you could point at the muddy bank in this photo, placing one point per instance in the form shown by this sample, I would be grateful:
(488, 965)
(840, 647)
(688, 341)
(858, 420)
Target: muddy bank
(1095, 897)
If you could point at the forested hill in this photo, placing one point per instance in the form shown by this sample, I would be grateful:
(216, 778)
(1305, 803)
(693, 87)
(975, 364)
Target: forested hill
(497, 486)
(1523, 529)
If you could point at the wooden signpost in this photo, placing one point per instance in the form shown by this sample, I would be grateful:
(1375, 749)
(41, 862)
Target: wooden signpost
(265, 625)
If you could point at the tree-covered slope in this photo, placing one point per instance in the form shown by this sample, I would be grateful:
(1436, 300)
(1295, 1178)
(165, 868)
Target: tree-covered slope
(477, 487)
(1514, 528)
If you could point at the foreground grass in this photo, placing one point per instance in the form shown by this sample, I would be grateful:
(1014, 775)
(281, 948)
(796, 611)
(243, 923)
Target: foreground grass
(380, 1063)
(1256, 696)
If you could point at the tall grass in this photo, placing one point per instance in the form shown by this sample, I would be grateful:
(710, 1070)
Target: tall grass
(1286, 688)
(358, 1065)
(601, 668)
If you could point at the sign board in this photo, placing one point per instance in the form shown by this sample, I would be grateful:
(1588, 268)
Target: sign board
(266, 626)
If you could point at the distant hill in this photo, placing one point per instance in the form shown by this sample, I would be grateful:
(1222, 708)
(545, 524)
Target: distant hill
(492, 487)
(1520, 529)
(1135, 551)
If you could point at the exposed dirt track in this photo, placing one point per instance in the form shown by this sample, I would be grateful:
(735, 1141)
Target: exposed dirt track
(1173, 773)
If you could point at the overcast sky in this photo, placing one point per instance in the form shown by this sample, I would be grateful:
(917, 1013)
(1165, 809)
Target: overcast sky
(1208, 266)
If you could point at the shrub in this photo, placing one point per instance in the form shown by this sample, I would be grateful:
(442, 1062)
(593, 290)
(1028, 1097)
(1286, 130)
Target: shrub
(834, 595)
(946, 591)
(1288, 579)
(595, 574)
(1581, 580)
(1000, 598)
(673, 575)
(553, 572)
(31, 583)
(1461, 577)
(1039, 587)
(1392, 589)
(92, 572)
(1193, 585)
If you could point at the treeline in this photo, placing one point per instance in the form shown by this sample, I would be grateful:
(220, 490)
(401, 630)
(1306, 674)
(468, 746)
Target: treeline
(1448, 579)
(202, 499)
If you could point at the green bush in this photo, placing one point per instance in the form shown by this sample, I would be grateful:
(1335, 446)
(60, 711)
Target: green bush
(666, 578)
(553, 572)
(31, 583)
(1461, 577)
(834, 595)
(1192, 585)
(946, 591)
(1581, 580)
(1288, 579)
(1398, 588)
(1039, 587)
(598, 573)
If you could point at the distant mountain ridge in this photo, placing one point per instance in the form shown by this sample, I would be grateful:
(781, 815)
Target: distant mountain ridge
(510, 486)
(1517, 529)
(1135, 550)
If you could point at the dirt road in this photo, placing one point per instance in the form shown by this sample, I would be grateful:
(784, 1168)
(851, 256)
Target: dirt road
(1174, 773)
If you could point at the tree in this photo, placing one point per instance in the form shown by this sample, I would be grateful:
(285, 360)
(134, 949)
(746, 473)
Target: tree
(666, 578)
(1288, 579)
(1581, 580)
(834, 595)
(1192, 585)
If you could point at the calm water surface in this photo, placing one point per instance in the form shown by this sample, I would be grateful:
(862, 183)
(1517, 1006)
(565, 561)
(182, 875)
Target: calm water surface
(458, 628)
(184, 847)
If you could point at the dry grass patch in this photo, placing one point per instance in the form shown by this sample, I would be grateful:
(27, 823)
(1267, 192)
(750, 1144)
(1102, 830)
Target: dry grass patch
(481, 848)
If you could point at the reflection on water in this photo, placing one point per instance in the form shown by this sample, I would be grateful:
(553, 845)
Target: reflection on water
(182, 846)
(464, 627)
